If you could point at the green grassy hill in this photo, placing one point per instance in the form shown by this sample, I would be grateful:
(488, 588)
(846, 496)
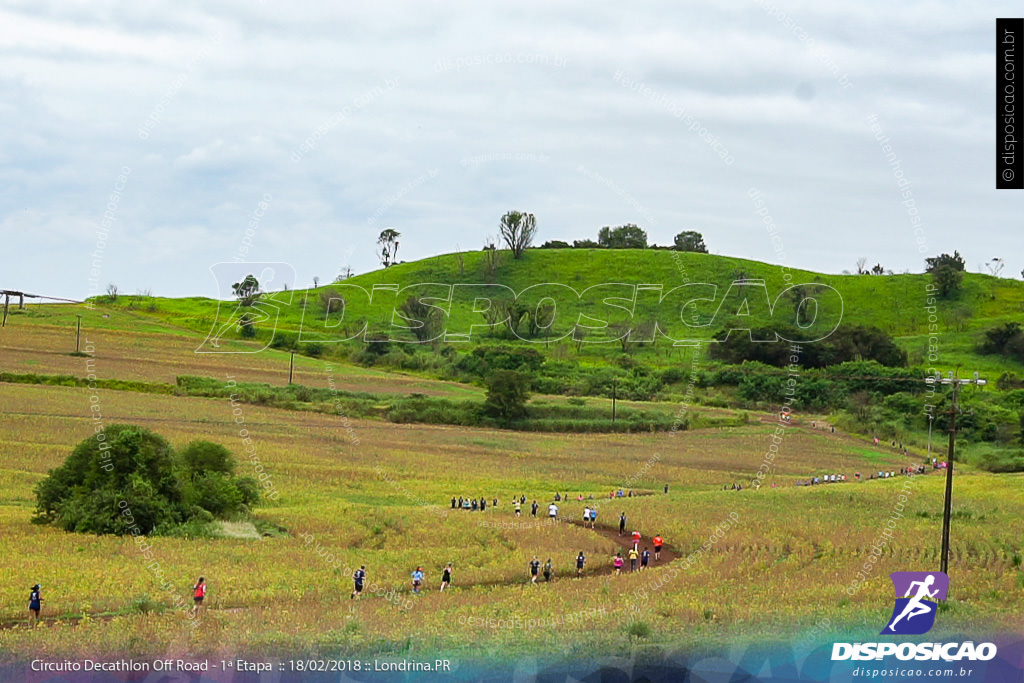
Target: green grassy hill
(897, 303)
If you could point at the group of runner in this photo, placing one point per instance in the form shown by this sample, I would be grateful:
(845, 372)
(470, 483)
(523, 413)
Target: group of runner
(472, 504)
(536, 568)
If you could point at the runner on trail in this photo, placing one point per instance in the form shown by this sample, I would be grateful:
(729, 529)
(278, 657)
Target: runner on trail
(446, 576)
(645, 558)
(658, 542)
(483, 504)
(914, 605)
(35, 603)
(618, 562)
(359, 577)
(519, 508)
(533, 508)
(417, 579)
(580, 562)
(636, 539)
(552, 511)
(633, 554)
(593, 517)
(586, 516)
(453, 503)
(198, 593)
(534, 566)
(548, 571)
(622, 523)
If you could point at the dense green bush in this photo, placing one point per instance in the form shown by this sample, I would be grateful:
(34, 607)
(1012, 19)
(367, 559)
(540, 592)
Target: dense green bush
(847, 343)
(994, 459)
(507, 393)
(127, 480)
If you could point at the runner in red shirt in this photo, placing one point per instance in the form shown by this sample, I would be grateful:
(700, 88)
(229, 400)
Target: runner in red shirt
(658, 542)
(198, 593)
(636, 539)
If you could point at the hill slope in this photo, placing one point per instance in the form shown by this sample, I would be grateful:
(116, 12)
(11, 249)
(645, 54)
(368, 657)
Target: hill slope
(896, 303)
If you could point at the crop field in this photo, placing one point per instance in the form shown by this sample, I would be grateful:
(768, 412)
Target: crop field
(361, 492)
(134, 346)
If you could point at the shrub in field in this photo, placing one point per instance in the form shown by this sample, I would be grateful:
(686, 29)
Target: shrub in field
(201, 457)
(507, 392)
(639, 629)
(130, 481)
(208, 482)
(144, 604)
(995, 459)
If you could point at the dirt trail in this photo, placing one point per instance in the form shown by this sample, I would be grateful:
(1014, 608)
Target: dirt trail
(596, 566)
(602, 566)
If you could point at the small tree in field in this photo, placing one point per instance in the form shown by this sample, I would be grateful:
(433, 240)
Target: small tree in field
(690, 240)
(517, 231)
(247, 291)
(947, 273)
(507, 393)
(388, 241)
(247, 326)
(629, 236)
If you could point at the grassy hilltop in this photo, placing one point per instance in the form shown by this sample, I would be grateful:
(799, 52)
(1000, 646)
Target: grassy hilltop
(895, 303)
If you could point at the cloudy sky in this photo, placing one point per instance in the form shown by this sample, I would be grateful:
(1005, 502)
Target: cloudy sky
(142, 140)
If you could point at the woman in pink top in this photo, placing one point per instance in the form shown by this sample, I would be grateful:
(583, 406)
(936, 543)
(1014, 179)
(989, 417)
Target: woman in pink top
(618, 563)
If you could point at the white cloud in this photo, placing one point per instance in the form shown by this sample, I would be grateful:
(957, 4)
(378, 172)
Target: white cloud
(388, 91)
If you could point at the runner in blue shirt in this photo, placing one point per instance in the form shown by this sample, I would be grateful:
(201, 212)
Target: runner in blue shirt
(417, 579)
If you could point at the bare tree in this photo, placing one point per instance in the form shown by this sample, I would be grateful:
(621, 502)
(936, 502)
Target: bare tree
(579, 336)
(517, 231)
(112, 291)
(346, 273)
(492, 258)
(460, 257)
(316, 281)
(995, 266)
(861, 263)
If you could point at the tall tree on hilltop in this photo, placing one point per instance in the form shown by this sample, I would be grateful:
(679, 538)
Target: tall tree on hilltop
(388, 241)
(517, 231)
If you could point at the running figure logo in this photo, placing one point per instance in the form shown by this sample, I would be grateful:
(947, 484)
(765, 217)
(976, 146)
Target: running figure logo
(914, 613)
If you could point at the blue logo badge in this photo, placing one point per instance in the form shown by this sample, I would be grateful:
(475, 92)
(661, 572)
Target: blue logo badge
(917, 596)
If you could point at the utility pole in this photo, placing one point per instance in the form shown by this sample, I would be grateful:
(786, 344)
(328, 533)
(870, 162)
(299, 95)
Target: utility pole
(948, 504)
(291, 366)
(614, 380)
(931, 419)
(78, 334)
